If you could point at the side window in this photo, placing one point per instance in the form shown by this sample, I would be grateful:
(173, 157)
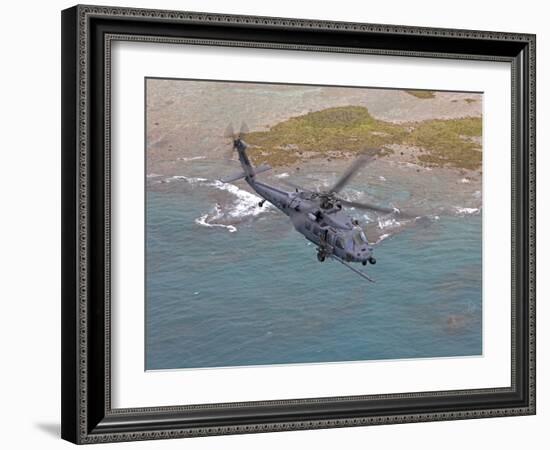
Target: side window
(340, 243)
(308, 225)
(315, 230)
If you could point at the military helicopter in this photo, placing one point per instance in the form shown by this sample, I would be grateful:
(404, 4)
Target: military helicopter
(319, 216)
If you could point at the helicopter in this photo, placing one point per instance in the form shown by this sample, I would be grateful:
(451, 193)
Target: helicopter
(318, 215)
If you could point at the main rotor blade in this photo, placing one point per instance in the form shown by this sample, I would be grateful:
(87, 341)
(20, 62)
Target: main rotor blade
(294, 185)
(368, 206)
(350, 172)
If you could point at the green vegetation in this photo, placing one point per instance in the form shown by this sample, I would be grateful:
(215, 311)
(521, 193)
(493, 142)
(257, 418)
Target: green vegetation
(348, 130)
(448, 142)
(421, 94)
(330, 132)
(470, 100)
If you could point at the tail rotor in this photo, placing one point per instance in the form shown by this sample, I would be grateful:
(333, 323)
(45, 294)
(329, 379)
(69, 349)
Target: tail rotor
(230, 132)
(238, 145)
(234, 137)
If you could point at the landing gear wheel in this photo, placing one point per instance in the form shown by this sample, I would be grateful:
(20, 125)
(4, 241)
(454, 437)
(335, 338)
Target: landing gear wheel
(372, 260)
(320, 257)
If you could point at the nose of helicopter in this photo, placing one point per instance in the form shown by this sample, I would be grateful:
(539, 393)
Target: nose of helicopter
(359, 254)
(365, 255)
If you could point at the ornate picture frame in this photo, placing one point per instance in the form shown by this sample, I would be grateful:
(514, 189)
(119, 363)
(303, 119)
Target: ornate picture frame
(88, 33)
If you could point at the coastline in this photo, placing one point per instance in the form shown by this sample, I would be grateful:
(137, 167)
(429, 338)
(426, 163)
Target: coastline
(323, 129)
(187, 120)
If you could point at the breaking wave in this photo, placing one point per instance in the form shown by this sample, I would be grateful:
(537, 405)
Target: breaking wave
(381, 238)
(190, 180)
(191, 158)
(391, 222)
(243, 206)
(246, 203)
(389, 226)
(206, 220)
(466, 211)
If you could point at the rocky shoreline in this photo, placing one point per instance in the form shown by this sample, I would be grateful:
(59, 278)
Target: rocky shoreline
(344, 132)
(186, 120)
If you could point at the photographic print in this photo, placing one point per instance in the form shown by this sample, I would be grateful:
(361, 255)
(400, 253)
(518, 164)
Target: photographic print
(299, 224)
(276, 224)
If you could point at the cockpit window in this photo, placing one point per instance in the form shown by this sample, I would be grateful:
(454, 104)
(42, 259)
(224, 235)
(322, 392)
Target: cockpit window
(359, 237)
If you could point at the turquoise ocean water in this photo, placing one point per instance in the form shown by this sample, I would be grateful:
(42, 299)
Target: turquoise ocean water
(230, 284)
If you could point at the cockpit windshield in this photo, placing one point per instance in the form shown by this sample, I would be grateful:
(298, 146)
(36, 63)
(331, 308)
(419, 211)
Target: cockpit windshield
(359, 237)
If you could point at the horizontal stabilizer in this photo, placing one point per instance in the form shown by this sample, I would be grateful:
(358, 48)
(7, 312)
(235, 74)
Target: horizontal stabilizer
(242, 174)
(232, 178)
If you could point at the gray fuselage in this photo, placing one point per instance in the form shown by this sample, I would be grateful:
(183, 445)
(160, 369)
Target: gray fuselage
(326, 225)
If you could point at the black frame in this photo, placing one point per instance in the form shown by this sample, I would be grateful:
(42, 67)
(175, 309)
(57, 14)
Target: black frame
(87, 31)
